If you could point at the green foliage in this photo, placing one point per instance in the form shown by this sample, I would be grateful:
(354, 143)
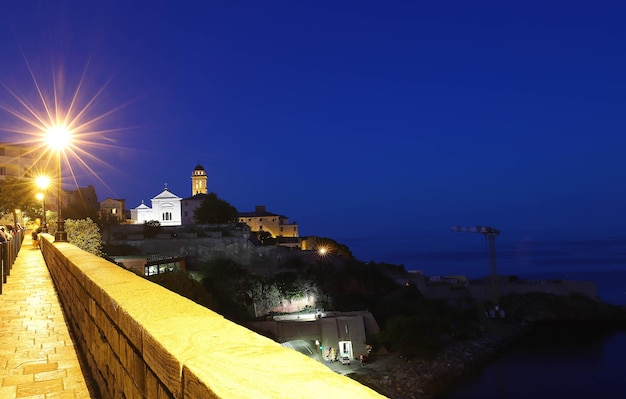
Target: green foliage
(227, 282)
(107, 219)
(265, 237)
(215, 210)
(355, 286)
(240, 295)
(414, 335)
(543, 306)
(18, 194)
(292, 286)
(422, 327)
(264, 294)
(85, 234)
(185, 286)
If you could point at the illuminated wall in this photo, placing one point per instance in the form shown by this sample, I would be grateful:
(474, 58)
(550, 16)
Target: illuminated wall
(142, 341)
(275, 224)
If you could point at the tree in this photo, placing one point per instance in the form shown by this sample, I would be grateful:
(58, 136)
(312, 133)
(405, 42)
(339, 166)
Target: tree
(85, 234)
(265, 237)
(215, 210)
(18, 194)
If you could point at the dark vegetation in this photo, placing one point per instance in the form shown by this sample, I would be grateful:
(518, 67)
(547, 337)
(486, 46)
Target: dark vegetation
(215, 210)
(545, 307)
(410, 323)
(18, 194)
(183, 284)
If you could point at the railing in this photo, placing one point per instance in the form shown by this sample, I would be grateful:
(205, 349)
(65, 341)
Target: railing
(8, 252)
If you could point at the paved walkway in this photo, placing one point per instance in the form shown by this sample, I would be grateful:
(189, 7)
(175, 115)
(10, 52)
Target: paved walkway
(37, 356)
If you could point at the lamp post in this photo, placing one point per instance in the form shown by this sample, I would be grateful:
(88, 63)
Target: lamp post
(58, 138)
(43, 182)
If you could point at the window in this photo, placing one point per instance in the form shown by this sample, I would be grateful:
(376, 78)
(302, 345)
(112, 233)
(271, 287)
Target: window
(3, 171)
(166, 216)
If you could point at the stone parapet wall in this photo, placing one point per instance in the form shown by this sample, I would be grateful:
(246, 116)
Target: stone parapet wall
(143, 341)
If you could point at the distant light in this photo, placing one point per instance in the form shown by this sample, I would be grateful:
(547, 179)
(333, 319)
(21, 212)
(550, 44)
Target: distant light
(322, 251)
(39, 196)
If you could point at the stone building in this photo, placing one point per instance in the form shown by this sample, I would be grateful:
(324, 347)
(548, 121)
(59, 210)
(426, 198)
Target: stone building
(199, 191)
(84, 198)
(20, 161)
(262, 220)
(113, 209)
(166, 209)
(199, 181)
(338, 333)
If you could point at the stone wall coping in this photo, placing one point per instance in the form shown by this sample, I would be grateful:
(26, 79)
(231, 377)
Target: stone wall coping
(193, 351)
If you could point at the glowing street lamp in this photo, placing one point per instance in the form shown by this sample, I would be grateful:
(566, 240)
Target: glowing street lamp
(43, 182)
(58, 138)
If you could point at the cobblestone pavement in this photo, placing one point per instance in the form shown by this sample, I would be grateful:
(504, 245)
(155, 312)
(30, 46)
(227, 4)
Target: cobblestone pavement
(38, 359)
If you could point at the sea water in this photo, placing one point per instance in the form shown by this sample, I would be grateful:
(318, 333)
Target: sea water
(572, 363)
(602, 261)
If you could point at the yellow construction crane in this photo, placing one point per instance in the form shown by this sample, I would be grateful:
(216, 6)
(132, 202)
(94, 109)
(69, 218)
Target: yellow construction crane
(490, 235)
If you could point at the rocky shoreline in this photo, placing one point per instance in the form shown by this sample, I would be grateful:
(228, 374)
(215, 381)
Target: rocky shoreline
(424, 379)
(460, 360)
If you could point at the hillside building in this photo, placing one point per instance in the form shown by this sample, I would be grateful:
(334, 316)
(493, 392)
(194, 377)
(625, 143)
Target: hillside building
(113, 210)
(262, 220)
(199, 181)
(166, 209)
(199, 191)
(20, 161)
(83, 198)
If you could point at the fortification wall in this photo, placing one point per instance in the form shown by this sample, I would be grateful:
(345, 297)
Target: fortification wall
(201, 249)
(143, 341)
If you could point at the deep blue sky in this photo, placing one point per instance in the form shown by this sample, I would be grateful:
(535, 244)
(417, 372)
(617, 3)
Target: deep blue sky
(353, 118)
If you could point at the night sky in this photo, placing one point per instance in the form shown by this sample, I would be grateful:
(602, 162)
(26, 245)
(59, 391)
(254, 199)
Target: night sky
(352, 118)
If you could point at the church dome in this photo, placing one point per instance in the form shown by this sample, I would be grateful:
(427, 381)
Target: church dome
(198, 167)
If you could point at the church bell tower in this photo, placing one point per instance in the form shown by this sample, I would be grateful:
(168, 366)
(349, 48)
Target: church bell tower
(199, 181)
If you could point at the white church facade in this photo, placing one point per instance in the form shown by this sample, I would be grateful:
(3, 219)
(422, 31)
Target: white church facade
(165, 210)
(167, 206)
